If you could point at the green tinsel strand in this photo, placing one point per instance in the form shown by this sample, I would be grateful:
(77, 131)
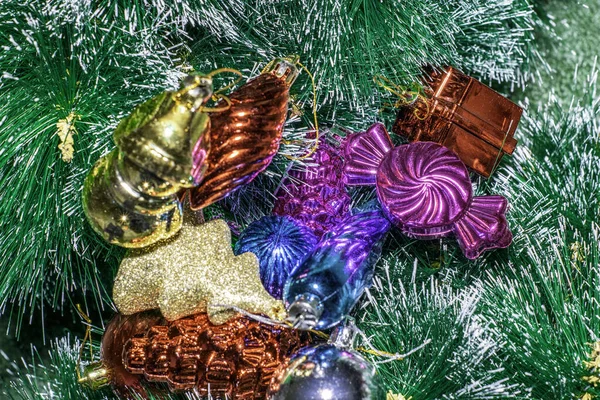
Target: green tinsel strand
(568, 42)
(346, 43)
(399, 316)
(549, 292)
(67, 64)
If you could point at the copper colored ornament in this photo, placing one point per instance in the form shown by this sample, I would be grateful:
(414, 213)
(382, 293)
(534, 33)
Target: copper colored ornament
(465, 116)
(245, 137)
(236, 360)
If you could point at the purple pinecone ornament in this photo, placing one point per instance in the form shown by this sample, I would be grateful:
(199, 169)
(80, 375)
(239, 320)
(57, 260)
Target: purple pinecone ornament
(316, 196)
(425, 190)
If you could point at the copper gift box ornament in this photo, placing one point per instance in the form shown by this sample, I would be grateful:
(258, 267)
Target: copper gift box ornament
(464, 115)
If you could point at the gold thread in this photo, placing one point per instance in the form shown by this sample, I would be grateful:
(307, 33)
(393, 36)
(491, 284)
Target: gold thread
(216, 97)
(315, 146)
(379, 353)
(222, 70)
(88, 336)
(405, 97)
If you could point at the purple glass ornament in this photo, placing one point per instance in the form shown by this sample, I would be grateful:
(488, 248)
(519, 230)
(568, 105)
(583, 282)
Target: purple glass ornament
(316, 195)
(281, 244)
(425, 190)
(325, 287)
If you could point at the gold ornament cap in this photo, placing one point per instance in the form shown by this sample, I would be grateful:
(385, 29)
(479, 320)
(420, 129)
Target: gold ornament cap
(168, 134)
(95, 376)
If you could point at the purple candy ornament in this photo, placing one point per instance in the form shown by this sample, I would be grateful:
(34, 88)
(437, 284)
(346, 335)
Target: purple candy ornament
(316, 195)
(425, 190)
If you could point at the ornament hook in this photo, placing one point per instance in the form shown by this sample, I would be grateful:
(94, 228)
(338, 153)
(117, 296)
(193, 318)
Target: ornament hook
(295, 60)
(406, 97)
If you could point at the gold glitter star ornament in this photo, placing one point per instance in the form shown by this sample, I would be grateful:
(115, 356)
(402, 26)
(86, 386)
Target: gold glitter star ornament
(194, 271)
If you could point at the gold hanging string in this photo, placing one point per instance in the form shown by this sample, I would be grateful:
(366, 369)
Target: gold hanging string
(370, 349)
(405, 97)
(217, 95)
(223, 70)
(88, 336)
(315, 146)
(367, 350)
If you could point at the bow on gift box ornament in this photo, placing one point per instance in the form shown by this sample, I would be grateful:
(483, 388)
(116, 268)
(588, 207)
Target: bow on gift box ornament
(425, 190)
(462, 114)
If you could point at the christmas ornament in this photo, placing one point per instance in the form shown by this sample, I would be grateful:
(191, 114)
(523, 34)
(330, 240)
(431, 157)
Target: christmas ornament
(245, 137)
(236, 360)
(110, 370)
(464, 115)
(195, 271)
(330, 281)
(280, 243)
(330, 371)
(316, 195)
(130, 196)
(425, 190)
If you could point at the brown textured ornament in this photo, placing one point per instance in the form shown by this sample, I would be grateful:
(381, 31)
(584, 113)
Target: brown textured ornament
(245, 137)
(236, 360)
(465, 116)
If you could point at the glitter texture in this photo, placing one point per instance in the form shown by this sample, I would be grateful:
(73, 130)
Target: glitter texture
(195, 271)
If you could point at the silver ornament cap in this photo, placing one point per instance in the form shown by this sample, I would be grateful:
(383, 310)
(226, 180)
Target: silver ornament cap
(330, 371)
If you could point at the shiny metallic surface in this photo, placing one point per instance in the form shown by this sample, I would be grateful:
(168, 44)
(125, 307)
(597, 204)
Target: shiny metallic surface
(129, 197)
(326, 372)
(245, 137)
(316, 195)
(118, 332)
(465, 116)
(305, 311)
(425, 190)
(338, 271)
(281, 244)
(95, 376)
(236, 360)
(120, 211)
(168, 135)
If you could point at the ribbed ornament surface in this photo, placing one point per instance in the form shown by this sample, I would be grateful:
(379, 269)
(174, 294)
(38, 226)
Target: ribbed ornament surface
(243, 138)
(424, 188)
(236, 360)
(280, 244)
